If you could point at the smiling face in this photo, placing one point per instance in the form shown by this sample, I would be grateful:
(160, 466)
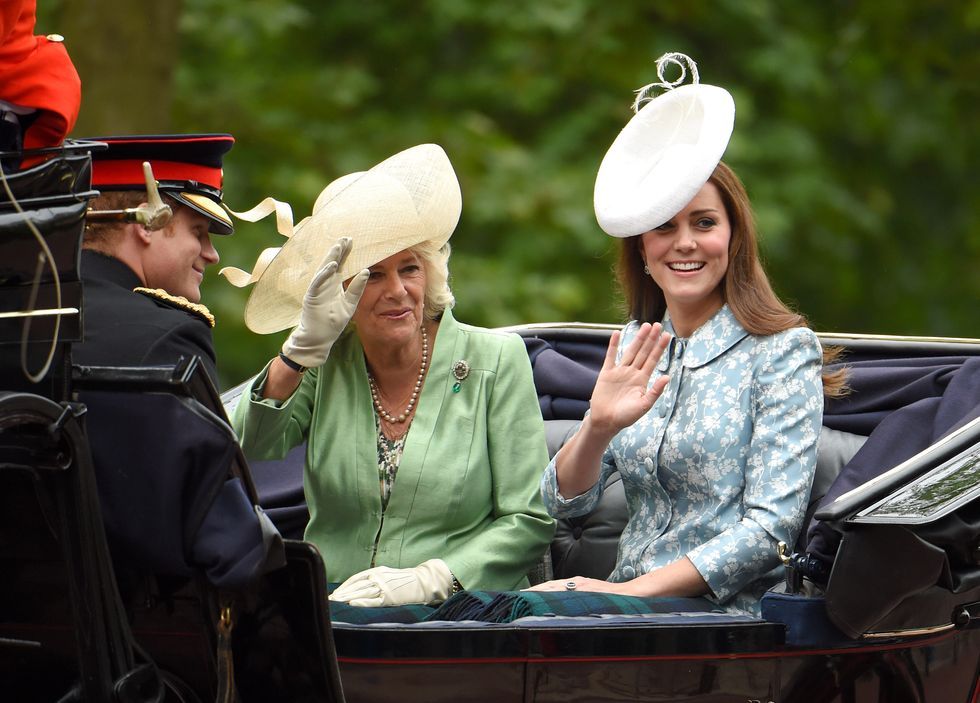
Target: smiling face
(391, 308)
(176, 256)
(688, 258)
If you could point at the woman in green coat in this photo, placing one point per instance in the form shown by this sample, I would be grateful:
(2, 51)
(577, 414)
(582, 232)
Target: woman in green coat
(424, 436)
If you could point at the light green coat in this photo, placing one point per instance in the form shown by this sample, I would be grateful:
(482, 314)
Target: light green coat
(467, 486)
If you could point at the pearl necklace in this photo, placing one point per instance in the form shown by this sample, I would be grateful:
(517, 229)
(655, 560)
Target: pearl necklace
(375, 395)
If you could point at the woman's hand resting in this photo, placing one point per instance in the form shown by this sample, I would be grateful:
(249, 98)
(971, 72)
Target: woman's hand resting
(583, 583)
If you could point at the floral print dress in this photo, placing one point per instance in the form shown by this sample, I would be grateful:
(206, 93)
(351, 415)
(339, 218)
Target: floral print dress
(389, 456)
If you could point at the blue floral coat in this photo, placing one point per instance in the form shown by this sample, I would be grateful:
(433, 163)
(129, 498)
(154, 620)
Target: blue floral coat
(720, 468)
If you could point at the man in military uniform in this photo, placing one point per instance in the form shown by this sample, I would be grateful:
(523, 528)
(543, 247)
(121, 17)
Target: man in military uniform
(141, 286)
(159, 465)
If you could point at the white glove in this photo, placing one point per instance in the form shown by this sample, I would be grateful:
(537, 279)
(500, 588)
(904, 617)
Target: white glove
(327, 308)
(429, 582)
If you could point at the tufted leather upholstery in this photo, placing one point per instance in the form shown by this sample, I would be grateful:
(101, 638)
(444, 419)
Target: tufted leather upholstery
(586, 545)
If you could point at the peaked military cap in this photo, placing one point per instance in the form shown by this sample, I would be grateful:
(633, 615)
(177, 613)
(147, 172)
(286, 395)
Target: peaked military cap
(186, 166)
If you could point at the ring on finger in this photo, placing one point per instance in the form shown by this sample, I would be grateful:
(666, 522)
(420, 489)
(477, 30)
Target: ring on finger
(569, 585)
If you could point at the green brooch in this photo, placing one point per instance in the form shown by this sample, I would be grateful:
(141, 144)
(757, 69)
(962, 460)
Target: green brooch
(461, 369)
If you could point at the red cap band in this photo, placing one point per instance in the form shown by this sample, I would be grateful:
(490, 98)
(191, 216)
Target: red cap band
(126, 172)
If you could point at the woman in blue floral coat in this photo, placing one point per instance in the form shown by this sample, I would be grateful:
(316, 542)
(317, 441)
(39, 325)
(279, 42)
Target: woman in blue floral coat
(710, 401)
(711, 414)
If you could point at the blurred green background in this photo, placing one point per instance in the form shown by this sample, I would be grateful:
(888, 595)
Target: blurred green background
(856, 134)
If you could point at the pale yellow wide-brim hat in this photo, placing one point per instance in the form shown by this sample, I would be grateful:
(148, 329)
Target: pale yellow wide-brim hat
(408, 199)
(665, 154)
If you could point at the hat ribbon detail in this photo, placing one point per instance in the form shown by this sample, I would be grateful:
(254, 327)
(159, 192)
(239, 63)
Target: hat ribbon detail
(284, 225)
(674, 58)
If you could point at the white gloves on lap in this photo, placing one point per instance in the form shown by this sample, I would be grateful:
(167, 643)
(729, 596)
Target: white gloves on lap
(429, 582)
(327, 308)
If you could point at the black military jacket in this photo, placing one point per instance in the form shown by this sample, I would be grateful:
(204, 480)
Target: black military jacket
(125, 328)
(169, 500)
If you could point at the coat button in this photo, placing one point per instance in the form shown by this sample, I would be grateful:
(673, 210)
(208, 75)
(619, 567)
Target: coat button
(55, 38)
(662, 412)
(648, 463)
(629, 572)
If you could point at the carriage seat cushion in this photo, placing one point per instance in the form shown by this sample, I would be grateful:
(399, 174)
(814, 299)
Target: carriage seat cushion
(586, 545)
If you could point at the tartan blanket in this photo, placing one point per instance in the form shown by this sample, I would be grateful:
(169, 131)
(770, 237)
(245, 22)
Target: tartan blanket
(353, 615)
(507, 606)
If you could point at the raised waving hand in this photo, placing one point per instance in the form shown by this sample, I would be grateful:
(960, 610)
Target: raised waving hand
(621, 396)
(619, 399)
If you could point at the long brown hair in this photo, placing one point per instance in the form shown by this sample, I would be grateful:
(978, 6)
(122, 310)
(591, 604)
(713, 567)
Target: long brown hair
(746, 287)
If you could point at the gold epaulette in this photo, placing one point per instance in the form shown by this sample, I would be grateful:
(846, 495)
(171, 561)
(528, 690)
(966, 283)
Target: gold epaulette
(179, 301)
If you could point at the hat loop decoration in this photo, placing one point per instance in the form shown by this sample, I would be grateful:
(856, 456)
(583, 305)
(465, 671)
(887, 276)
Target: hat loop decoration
(665, 153)
(284, 225)
(674, 58)
(284, 215)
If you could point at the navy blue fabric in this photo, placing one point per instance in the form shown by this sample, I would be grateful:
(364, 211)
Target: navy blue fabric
(805, 618)
(279, 485)
(564, 376)
(229, 546)
(880, 387)
(910, 405)
(168, 504)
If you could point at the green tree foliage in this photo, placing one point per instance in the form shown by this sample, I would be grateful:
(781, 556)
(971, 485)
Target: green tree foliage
(112, 53)
(856, 136)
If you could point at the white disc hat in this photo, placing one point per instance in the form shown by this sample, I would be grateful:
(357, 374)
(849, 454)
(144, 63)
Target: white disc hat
(665, 153)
